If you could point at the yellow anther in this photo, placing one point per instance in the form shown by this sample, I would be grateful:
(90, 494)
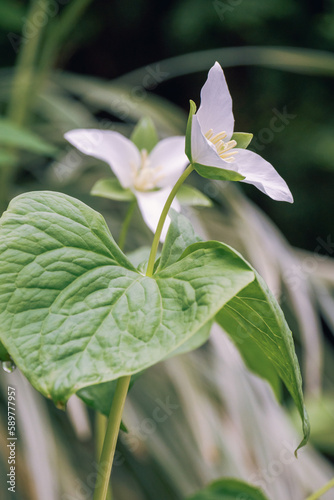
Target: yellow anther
(223, 148)
(218, 137)
(209, 133)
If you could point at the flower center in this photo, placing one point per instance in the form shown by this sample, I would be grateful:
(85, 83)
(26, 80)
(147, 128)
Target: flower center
(146, 178)
(223, 148)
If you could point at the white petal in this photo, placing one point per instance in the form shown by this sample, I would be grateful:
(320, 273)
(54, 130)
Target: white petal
(110, 147)
(262, 175)
(169, 156)
(151, 205)
(215, 111)
(204, 152)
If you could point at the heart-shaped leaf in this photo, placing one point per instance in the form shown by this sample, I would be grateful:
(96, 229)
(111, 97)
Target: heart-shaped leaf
(179, 236)
(74, 312)
(229, 489)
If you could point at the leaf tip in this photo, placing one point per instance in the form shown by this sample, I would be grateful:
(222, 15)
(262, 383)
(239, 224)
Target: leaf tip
(306, 431)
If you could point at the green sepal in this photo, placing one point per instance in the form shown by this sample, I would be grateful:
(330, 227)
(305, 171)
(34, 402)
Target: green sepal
(229, 489)
(144, 135)
(189, 196)
(242, 139)
(192, 111)
(111, 188)
(217, 173)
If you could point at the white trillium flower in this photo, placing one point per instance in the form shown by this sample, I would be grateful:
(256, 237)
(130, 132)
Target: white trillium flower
(150, 177)
(212, 144)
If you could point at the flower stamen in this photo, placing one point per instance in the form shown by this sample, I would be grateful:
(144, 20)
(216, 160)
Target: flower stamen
(146, 178)
(218, 137)
(223, 148)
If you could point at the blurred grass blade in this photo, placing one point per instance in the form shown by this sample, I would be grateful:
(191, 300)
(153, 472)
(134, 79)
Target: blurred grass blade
(59, 31)
(7, 158)
(125, 102)
(295, 60)
(23, 89)
(14, 136)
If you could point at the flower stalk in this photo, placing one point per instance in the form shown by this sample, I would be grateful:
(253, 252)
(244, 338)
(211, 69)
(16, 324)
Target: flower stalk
(115, 416)
(110, 440)
(156, 239)
(322, 490)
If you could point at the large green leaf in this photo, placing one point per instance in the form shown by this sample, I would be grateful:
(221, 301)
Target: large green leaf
(179, 236)
(257, 325)
(74, 312)
(229, 489)
(100, 396)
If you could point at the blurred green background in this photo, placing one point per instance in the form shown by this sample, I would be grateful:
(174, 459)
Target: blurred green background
(100, 63)
(112, 38)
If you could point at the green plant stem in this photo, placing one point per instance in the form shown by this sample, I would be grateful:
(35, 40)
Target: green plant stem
(126, 223)
(115, 416)
(110, 440)
(100, 432)
(322, 490)
(156, 239)
(101, 421)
